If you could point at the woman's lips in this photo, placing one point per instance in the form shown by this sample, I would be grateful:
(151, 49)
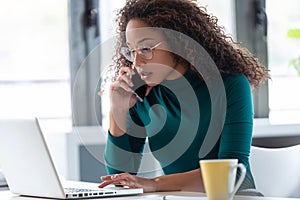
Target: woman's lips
(145, 75)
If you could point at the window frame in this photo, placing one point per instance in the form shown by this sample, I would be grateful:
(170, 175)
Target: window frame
(252, 34)
(84, 34)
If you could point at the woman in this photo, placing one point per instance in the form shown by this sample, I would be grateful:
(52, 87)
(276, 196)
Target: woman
(177, 115)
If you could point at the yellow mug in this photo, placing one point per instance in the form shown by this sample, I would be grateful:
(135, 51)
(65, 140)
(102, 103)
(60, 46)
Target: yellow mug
(219, 178)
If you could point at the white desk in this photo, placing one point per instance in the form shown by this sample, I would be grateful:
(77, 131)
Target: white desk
(6, 195)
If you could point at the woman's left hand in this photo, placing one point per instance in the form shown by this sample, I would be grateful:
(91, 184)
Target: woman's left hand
(129, 180)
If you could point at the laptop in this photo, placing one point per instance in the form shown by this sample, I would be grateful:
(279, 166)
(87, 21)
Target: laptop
(29, 169)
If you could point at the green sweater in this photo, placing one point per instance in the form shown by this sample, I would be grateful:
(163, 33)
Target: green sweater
(175, 118)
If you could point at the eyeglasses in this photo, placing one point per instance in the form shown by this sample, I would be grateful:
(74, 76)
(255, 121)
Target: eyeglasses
(145, 52)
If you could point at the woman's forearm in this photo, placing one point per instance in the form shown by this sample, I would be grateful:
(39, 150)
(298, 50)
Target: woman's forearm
(117, 122)
(187, 181)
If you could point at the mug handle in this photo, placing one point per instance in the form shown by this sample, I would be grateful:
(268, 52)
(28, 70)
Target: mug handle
(240, 181)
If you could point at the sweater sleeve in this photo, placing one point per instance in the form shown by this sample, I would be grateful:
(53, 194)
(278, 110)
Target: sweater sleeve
(124, 153)
(236, 137)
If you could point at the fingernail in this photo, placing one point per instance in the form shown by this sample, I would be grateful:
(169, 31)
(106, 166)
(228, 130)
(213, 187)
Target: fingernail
(123, 182)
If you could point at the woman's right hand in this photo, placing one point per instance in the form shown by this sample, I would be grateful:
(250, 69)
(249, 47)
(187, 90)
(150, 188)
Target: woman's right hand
(121, 96)
(121, 99)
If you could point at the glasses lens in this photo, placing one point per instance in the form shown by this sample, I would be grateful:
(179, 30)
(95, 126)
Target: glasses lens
(127, 53)
(146, 52)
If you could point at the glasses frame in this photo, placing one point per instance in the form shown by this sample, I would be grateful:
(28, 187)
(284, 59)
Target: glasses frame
(138, 51)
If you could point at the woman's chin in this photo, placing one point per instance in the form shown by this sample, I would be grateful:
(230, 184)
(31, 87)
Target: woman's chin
(151, 81)
(151, 84)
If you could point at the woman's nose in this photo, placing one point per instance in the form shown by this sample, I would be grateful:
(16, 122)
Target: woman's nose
(137, 60)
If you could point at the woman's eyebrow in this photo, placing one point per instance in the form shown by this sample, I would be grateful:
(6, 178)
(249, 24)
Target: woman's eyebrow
(145, 39)
(142, 40)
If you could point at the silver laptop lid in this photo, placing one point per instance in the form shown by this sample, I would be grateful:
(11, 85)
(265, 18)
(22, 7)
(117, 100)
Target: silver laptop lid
(25, 159)
(29, 169)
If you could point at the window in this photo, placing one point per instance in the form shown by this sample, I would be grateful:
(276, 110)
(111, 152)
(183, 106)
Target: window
(284, 95)
(34, 59)
(224, 10)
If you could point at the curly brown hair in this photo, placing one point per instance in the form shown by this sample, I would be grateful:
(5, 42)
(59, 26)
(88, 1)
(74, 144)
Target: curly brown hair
(191, 19)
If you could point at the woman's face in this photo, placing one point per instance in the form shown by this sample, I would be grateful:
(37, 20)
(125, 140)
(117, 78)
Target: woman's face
(162, 65)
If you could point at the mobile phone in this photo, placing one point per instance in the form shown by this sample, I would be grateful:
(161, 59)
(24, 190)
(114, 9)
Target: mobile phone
(139, 87)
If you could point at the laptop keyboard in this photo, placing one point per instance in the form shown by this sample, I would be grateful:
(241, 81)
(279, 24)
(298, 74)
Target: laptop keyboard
(79, 190)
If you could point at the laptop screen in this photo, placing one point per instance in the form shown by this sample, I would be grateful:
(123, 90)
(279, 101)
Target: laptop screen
(27, 164)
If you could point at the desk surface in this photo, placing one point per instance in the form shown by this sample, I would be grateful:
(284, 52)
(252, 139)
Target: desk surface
(7, 195)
